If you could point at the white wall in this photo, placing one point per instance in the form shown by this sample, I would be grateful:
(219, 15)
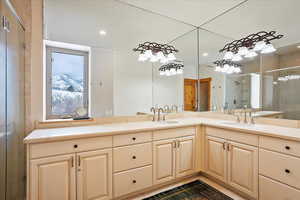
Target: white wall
(167, 90)
(101, 75)
(132, 84)
(217, 85)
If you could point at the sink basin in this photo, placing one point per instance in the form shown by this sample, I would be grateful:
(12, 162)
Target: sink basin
(169, 122)
(236, 124)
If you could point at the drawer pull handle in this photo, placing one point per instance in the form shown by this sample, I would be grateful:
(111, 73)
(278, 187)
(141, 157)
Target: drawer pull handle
(287, 147)
(287, 171)
(134, 181)
(133, 138)
(133, 157)
(75, 146)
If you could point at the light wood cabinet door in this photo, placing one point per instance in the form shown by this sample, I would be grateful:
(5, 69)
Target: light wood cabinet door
(53, 178)
(243, 168)
(185, 156)
(163, 161)
(216, 158)
(94, 175)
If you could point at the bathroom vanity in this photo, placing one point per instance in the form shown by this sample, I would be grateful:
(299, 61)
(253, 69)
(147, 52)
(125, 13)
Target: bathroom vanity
(121, 160)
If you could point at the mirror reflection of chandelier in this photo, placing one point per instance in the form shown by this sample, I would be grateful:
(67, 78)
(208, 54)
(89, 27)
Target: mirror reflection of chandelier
(171, 69)
(250, 46)
(155, 52)
(228, 67)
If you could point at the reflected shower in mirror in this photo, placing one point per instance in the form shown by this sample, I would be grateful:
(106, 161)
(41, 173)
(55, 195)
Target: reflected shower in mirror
(281, 80)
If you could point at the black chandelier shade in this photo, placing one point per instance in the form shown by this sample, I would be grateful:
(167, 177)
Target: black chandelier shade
(170, 66)
(223, 62)
(155, 47)
(251, 40)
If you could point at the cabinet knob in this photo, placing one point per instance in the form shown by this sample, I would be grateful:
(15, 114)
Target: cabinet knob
(133, 138)
(133, 157)
(75, 146)
(287, 171)
(287, 147)
(134, 181)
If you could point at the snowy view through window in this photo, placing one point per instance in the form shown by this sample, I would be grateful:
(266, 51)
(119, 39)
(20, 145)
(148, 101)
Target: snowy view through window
(67, 83)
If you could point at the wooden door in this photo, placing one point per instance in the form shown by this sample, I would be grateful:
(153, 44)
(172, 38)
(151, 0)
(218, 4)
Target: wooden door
(216, 158)
(205, 92)
(190, 91)
(53, 178)
(243, 168)
(163, 161)
(94, 176)
(185, 156)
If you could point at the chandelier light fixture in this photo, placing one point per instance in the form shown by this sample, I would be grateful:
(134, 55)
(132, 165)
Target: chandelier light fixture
(155, 52)
(171, 69)
(228, 67)
(250, 46)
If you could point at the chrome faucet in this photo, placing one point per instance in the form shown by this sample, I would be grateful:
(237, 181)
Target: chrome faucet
(154, 113)
(160, 110)
(245, 114)
(174, 108)
(251, 121)
(166, 108)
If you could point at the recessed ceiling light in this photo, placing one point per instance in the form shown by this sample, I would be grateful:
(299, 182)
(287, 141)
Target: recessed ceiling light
(205, 54)
(102, 32)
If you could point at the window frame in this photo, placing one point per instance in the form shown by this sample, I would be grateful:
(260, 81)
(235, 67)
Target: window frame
(48, 80)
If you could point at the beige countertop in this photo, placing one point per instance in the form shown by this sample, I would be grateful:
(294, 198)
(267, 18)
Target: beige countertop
(57, 134)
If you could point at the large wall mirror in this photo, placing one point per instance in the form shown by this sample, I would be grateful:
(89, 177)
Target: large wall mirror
(117, 84)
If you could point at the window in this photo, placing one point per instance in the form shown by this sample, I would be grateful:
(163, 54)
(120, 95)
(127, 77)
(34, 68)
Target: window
(66, 83)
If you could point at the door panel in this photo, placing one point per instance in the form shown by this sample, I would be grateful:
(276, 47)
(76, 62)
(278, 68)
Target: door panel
(15, 65)
(53, 178)
(243, 168)
(216, 157)
(2, 115)
(185, 156)
(94, 177)
(190, 86)
(163, 161)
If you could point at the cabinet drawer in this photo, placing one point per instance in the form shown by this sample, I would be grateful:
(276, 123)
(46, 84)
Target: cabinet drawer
(135, 138)
(283, 168)
(272, 190)
(173, 133)
(233, 135)
(280, 145)
(133, 156)
(70, 146)
(132, 180)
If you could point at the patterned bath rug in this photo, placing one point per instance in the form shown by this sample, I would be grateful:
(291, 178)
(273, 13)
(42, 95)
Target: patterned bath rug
(196, 190)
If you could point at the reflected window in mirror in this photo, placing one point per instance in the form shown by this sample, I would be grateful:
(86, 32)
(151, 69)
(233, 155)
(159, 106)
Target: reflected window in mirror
(67, 91)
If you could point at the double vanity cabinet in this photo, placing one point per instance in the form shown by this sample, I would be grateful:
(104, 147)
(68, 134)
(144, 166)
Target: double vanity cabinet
(109, 167)
(261, 162)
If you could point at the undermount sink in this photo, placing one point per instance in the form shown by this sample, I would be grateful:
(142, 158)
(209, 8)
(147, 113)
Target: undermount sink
(236, 124)
(169, 122)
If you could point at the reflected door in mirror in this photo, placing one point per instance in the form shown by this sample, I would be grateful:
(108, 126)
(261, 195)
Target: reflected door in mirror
(190, 86)
(205, 94)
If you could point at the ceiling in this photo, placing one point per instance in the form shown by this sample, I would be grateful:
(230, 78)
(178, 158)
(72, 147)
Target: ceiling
(79, 22)
(232, 18)
(130, 22)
